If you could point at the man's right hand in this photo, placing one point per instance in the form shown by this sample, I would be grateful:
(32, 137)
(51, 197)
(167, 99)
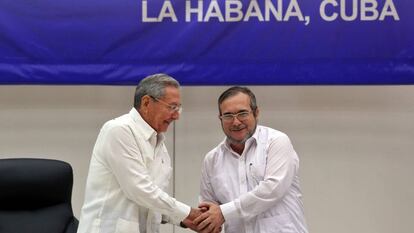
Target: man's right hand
(211, 220)
(194, 213)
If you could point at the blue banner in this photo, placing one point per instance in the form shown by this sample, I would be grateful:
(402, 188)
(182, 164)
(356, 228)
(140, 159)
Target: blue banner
(207, 42)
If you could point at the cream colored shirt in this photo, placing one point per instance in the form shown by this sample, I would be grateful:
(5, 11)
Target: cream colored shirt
(129, 171)
(258, 191)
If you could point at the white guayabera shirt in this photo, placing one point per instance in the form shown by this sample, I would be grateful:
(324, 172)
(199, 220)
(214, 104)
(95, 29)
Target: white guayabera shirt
(258, 191)
(129, 171)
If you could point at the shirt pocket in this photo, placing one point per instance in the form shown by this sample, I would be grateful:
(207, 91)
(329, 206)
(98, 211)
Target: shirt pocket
(161, 172)
(125, 226)
(256, 173)
(164, 176)
(277, 224)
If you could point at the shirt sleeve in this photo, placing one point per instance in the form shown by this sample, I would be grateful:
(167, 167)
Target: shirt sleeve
(281, 168)
(126, 162)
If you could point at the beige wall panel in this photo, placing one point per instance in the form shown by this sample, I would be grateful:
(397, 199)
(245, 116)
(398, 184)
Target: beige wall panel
(354, 142)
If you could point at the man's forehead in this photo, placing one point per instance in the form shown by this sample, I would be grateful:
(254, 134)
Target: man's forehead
(172, 96)
(239, 98)
(235, 106)
(171, 92)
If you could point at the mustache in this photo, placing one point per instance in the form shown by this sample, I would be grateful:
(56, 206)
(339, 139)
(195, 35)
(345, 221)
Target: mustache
(237, 127)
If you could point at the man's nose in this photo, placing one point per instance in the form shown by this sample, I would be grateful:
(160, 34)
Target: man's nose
(236, 121)
(175, 115)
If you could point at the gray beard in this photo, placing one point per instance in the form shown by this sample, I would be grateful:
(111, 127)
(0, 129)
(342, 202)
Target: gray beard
(249, 135)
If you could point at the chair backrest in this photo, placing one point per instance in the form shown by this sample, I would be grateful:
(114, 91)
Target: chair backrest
(35, 196)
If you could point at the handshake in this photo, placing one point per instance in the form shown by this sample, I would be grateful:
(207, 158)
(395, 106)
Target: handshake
(207, 218)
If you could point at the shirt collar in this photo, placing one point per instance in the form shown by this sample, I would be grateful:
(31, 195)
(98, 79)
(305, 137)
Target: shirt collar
(147, 131)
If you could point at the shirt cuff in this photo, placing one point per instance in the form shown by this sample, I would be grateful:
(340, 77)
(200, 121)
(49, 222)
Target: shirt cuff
(180, 213)
(229, 211)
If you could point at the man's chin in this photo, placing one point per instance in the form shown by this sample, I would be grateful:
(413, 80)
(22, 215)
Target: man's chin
(162, 129)
(241, 140)
(165, 127)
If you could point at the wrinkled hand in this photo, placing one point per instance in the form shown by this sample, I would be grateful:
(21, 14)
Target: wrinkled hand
(194, 213)
(211, 220)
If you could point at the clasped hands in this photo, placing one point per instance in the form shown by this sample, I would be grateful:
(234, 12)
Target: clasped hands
(207, 218)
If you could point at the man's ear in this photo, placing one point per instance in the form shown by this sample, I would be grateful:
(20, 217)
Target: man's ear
(145, 100)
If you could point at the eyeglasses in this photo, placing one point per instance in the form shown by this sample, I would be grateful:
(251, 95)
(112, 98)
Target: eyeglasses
(171, 107)
(241, 116)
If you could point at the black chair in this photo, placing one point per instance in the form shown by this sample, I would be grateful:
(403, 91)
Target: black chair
(35, 196)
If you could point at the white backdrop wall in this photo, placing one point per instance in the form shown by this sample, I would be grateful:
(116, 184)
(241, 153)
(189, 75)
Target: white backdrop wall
(354, 142)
